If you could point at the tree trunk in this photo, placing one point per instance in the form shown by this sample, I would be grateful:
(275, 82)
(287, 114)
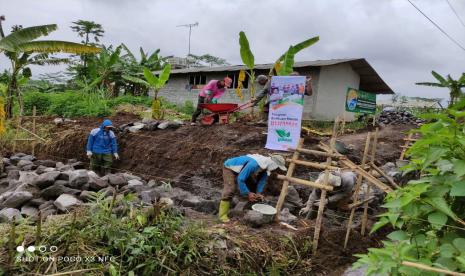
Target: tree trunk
(9, 97)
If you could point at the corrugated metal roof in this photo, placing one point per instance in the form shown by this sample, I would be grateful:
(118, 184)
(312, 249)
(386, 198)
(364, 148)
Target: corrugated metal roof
(370, 81)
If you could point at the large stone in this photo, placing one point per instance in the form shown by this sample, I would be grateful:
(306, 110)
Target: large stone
(47, 205)
(149, 196)
(10, 168)
(129, 177)
(29, 211)
(287, 217)
(37, 201)
(25, 187)
(46, 163)
(117, 180)
(136, 127)
(78, 178)
(27, 177)
(136, 185)
(256, 219)
(6, 161)
(23, 163)
(13, 174)
(95, 182)
(40, 169)
(16, 199)
(78, 165)
(58, 189)
(108, 191)
(46, 179)
(63, 176)
(86, 196)
(7, 215)
(66, 202)
(49, 211)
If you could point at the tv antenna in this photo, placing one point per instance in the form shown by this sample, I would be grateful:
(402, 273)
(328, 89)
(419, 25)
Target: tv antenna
(190, 26)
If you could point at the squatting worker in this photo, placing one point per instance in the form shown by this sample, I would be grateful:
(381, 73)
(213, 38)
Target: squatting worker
(102, 147)
(210, 93)
(248, 174)
(265, 92)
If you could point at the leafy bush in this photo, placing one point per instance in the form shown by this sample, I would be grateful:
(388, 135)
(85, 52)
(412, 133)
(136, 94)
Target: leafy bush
(76, 103)
(427, 214)
(188, 107)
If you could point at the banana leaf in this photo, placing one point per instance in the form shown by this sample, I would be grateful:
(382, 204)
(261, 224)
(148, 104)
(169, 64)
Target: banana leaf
(246, 54)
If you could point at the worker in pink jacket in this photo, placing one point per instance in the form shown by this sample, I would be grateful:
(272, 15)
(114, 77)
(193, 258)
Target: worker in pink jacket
(210, 93)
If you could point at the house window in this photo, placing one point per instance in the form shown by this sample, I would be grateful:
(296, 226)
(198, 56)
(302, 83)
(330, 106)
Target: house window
(197, 81)
(235, 78)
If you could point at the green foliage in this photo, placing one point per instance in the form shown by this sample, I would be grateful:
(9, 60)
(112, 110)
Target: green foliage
(246, 54)
(76, 104)
(428, 214)
(287, 58)
(454, 86)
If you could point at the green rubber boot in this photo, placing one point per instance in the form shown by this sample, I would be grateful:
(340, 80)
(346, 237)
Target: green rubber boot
(224, 209)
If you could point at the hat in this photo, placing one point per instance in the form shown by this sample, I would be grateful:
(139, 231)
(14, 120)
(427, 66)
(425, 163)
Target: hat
(262, 78)
(279, 161)
(227, 82)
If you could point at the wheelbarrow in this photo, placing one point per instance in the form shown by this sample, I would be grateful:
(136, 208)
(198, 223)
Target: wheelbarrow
(221, 112)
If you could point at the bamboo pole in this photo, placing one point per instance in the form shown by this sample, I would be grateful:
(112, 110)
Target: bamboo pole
(305, 182)
(383, 174)
(289, 173)
(368, 188)
(321, 207)
(18, 126)
(357, 189)
(406, 145)
(429, 268)
(32, 133)
(33, 144)
(359, 170)
(317, 152)
(356, 204)
(312, 164)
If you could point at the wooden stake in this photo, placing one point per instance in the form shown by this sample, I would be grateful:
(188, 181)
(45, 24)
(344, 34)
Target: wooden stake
(318, 153)
(406, 146)
(32, 133)
(312, 164)
(18, 125)
(343, 123)
(383, 174)
(357, 189)
(321, 207)
(33, 144)
(289, 173)
(368, 188)
(305, 182)
(433, 269)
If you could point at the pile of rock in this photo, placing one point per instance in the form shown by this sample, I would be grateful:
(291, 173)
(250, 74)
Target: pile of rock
(397, 117)
(29, 185)
(150, 125)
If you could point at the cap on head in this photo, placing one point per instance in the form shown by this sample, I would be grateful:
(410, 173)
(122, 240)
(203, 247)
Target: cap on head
(279, 161)
(262, 78)
(227, 82)
(107, 123)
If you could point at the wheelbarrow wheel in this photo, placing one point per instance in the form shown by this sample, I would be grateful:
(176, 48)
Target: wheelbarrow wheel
(208, 120)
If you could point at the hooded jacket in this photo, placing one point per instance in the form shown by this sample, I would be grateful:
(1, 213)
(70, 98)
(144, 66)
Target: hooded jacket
(102, 142)
(246, 166)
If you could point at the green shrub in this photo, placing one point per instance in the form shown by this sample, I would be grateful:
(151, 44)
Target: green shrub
(41, 101)
(128, 99)
(188, 107)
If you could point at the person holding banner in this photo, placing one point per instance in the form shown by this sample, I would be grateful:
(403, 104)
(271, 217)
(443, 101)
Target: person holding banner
(210, 93)
(248, 175)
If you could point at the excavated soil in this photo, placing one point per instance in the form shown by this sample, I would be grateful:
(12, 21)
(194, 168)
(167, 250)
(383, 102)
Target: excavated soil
(191, 158)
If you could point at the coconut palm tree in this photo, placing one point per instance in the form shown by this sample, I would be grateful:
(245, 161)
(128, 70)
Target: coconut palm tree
(22, 48)
(454, 86)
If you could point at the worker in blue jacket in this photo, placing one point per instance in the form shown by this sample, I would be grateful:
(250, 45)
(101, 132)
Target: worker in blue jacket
(102, 147)
(242, 170)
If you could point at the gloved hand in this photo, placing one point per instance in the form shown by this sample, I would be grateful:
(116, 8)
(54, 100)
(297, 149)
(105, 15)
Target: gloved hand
(214, 100)
(252, 197)
(116, 155)
(89, 154)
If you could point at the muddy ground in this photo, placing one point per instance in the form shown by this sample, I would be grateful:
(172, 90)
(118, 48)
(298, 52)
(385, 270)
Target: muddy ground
(191, 158)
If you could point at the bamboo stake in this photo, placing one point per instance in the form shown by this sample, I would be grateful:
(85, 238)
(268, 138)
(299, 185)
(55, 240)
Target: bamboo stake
(357, 189)
(354, 205)
(321, 207)
(429, 268)
(312, 164)
(383, 174)
(305, 182)
(289, 173)
(33, 144)
(18, 126)
(407, 143)
(368, 188)
(32, 133)
(318, 153)
(343, 122)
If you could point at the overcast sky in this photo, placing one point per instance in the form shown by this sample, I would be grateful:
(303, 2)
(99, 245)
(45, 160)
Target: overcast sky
(397, 41)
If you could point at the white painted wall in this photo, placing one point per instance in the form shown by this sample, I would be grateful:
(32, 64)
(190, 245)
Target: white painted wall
(333, 82)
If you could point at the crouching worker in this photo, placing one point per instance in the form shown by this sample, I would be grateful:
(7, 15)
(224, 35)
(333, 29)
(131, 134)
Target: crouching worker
(343, 184)
(246, 174)
(102, 147)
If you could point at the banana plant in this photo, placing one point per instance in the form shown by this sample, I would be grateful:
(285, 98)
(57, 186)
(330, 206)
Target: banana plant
(156, 83)
(454, 86)
(285, 63)
(22, 48)
(248, 59)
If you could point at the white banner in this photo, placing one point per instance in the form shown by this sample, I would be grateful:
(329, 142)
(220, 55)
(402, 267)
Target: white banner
(285, 116)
